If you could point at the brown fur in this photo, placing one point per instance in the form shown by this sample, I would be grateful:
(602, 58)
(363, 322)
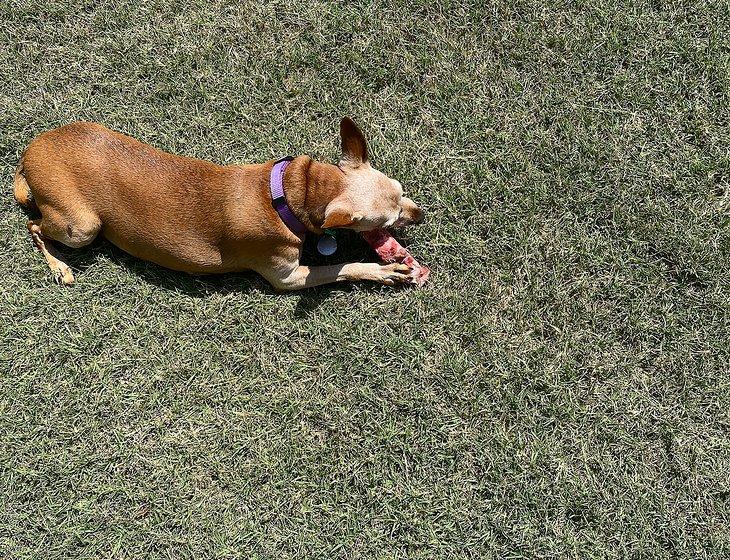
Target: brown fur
(21, 190)
(195, 216)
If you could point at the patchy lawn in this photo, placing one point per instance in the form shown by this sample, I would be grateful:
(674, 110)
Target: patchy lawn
(559, 389)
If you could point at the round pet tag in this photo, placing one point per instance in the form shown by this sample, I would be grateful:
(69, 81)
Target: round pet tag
(326, 245)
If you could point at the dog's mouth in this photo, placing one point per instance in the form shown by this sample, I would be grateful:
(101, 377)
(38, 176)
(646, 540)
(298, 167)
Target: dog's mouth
(405, 222)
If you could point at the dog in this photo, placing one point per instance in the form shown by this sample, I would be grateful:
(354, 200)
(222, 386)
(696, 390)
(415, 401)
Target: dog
(198, 217)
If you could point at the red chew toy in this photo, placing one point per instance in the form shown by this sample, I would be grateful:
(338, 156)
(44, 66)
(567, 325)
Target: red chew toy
(390, 251)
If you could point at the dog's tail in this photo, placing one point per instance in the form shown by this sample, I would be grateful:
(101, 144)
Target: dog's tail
(22, 191)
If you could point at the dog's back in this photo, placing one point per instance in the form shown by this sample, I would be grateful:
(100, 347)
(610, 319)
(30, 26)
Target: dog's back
(85, 178)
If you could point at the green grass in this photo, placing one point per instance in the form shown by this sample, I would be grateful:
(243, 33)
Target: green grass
(559, 389)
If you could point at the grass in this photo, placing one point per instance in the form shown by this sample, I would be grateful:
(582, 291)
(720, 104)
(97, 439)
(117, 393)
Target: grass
(559, 389)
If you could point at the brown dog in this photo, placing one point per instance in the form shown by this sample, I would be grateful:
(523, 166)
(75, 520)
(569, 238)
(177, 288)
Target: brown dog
(199, 217)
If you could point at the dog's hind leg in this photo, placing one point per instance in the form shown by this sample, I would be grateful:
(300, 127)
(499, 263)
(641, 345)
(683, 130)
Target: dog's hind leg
(73, 232)
(60, 269)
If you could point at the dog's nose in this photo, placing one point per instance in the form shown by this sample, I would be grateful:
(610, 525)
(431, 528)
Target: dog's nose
(411, 213)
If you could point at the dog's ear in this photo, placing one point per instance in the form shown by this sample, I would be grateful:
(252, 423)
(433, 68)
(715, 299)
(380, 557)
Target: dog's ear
(339, 215)
(354, 147)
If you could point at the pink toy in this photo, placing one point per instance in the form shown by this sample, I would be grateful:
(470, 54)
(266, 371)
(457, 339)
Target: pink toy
(390, 251)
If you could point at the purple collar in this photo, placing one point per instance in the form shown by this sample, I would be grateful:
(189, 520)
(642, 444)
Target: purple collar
(278, 198)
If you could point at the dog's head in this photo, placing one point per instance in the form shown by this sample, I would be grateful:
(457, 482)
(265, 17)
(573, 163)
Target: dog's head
(369, 199)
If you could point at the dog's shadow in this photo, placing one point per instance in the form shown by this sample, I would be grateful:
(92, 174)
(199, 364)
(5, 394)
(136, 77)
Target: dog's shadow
(351, 248)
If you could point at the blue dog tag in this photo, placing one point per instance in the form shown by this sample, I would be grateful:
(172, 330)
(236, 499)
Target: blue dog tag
(326, 245)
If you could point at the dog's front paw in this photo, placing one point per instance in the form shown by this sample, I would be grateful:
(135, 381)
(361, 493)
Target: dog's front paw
(396, 273)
